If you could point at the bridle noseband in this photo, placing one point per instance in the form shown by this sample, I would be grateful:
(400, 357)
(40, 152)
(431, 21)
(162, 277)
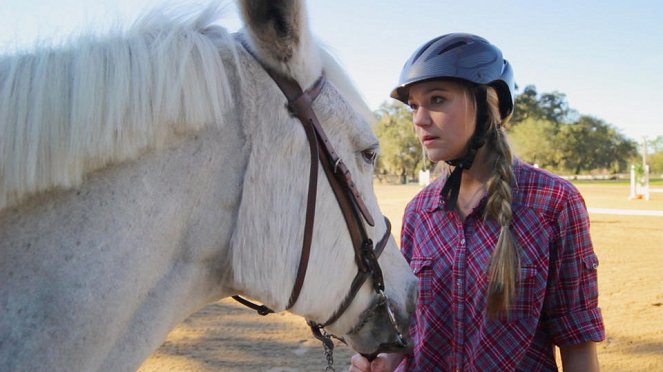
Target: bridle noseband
(350, 202)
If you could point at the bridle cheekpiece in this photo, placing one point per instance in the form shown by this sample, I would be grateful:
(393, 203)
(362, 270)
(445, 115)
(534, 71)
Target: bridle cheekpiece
(352, 207)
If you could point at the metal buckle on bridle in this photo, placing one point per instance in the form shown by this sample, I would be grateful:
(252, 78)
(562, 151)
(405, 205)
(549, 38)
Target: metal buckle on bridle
(336, 163)
(371, 265)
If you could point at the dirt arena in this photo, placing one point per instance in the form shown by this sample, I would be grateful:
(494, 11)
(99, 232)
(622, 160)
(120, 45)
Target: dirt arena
(225, 336)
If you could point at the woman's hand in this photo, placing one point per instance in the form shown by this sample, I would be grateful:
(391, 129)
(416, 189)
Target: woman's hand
(383, 363)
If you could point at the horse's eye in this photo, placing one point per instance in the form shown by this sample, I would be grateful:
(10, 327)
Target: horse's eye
(369, 156)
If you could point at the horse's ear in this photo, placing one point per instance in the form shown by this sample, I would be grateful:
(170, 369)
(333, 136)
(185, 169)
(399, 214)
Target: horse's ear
(279, 34)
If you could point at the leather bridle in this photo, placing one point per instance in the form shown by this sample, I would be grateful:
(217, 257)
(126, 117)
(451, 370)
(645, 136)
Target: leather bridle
(350, 202)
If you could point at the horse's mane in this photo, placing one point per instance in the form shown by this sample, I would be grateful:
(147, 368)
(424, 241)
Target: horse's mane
(70, 110)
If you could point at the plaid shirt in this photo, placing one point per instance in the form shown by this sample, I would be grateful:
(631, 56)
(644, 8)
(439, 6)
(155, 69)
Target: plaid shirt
(557, 293)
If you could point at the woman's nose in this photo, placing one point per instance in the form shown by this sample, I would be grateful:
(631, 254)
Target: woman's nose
(421, 117)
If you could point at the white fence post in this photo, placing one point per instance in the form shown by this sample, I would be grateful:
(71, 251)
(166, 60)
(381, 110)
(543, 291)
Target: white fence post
(632, 195)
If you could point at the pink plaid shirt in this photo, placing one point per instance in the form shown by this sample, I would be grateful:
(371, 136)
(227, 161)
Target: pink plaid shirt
(557, 295)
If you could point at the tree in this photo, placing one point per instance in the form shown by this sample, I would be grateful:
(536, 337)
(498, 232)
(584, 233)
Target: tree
(526, 105)
(534, 141)
(554, 107)
(655, 155)
(590, 144)
(625, 149)
(549, 106)
(585, 145)
(655, 161)
(655, 145)
(401, 152)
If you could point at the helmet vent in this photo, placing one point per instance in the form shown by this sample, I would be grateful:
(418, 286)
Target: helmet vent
(425, 47)
(452, 46)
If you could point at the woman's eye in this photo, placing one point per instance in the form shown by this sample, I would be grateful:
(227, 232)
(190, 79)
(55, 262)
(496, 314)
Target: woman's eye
(436, 100)
(369, 156)
(413, 107)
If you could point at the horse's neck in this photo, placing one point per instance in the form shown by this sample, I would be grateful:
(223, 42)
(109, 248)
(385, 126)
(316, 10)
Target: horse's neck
(122, 259)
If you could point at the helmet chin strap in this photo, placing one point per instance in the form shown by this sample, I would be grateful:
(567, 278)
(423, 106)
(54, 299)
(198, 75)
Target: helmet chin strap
(452, 186)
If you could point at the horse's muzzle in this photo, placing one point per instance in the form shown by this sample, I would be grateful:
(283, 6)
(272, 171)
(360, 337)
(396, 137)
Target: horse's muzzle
(383, 327)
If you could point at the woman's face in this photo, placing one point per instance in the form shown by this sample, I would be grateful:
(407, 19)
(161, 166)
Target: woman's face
(443, 116)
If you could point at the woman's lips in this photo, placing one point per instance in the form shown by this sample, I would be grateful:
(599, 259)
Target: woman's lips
(427, 140)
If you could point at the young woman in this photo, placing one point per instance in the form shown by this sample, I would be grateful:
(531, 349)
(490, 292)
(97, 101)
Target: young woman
(502, 250)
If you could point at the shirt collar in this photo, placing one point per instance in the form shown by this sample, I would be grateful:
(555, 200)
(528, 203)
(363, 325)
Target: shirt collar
(435, 201)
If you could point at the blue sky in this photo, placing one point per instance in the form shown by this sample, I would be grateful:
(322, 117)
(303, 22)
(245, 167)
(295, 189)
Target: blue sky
(606, 56)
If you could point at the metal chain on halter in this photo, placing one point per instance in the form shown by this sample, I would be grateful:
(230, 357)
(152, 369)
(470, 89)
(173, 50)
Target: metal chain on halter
(327, 343)
(329, 355)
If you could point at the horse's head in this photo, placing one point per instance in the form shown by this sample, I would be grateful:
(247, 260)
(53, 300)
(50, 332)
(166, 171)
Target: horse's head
(271, 221)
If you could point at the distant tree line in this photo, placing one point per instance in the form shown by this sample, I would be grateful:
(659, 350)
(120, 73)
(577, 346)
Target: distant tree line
(543, 130)
(655, 156)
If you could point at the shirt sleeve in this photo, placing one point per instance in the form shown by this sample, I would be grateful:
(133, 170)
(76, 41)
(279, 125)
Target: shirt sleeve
(571, 311)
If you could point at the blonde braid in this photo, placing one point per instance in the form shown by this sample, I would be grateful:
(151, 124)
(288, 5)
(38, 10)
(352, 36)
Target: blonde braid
(505, 261)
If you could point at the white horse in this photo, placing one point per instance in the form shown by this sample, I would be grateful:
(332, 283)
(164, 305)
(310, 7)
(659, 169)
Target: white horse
(147, 173)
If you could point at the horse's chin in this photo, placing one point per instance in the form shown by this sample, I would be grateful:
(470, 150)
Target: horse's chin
(391, 346)
(388, 348)
(377, 335)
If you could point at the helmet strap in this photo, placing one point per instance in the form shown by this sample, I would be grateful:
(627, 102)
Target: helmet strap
(452, 186)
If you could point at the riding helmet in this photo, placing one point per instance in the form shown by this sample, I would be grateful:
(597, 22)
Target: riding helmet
(460, 56)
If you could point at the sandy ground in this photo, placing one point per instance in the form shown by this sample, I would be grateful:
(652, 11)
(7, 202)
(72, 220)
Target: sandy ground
(224, 336)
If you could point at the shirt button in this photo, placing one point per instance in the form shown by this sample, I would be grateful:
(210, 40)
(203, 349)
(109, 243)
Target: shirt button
(459, 282)
(462, 242)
